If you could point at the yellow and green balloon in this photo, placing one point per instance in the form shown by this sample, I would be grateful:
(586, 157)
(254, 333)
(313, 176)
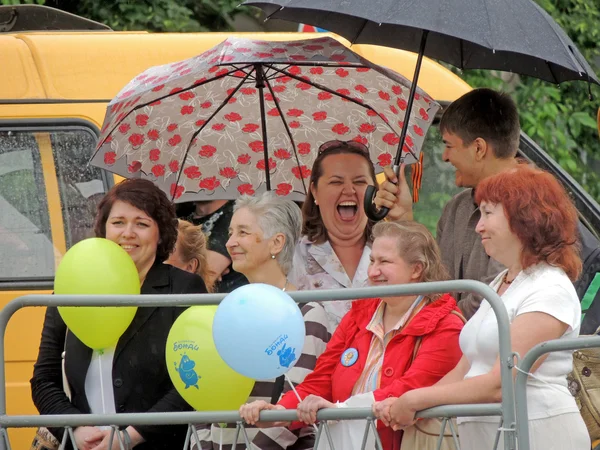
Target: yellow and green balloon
(97, 266)
(199, 374)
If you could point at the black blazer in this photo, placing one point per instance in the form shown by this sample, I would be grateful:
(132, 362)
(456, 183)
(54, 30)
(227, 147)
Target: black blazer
(140, 378)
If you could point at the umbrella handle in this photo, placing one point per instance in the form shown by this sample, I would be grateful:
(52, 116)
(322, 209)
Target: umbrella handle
(371, 210)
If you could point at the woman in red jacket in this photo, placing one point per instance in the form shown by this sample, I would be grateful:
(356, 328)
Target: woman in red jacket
(372, 349)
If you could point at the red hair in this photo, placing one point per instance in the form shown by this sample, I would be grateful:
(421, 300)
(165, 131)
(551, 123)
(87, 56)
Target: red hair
(540, 213)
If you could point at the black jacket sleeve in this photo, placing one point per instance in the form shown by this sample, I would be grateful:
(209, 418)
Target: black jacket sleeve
(47, 383)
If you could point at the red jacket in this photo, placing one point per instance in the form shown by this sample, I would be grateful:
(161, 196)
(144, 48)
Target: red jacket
(438, 354)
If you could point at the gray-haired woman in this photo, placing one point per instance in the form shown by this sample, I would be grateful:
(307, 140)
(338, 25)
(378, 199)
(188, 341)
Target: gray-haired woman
(263, 234)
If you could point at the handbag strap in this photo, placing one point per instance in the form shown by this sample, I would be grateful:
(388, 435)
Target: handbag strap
(420, 338)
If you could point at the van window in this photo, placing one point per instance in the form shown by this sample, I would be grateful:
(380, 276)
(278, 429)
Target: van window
(437, 186)
(35, 164)
(81, 186)
(25, 236)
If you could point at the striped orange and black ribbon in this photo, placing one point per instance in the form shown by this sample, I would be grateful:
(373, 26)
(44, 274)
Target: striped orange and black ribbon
(417, 177)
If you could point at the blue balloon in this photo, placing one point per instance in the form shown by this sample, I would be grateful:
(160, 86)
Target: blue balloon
(259, 331)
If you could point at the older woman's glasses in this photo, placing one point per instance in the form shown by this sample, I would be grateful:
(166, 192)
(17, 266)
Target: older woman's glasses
(335, 144)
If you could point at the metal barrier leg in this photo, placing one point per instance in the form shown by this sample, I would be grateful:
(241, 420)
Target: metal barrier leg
(441, 436)
(329, 438)
(235, 438)
(188, 437)
(65, 439)
(245, 434)
(318, 435)
(195, 437)
(454, 435)
(111, 437)
(378, 445)
(4, 442)
(498, 434)
(366, 435)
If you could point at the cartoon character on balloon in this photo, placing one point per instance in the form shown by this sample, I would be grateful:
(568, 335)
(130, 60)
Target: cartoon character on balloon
(186, 371)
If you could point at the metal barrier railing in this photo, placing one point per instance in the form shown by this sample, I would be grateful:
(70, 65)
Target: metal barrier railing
(506, 409)
(525, 368)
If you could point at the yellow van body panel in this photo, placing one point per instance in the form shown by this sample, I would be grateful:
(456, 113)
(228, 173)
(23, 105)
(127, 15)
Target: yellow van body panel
(72, 75)
(97, 65)
(20, 77)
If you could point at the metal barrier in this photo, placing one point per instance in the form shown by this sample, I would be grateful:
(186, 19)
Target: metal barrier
(523, 373)
(506, 409)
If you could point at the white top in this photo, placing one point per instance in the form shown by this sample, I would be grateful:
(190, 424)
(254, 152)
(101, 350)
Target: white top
(316, 266)
(99, 383)
(541, 288)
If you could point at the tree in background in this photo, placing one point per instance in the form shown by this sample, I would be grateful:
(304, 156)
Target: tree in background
(152, 15)
(561, 119)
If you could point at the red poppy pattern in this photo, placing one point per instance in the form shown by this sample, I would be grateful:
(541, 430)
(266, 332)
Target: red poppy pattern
(194, 126)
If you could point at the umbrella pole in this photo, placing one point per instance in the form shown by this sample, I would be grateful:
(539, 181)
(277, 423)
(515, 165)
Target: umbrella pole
(260, 85)
(411, 98)
(370, 209)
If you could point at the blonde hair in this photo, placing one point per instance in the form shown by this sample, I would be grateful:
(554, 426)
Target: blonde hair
(415, 245)
(192, 244)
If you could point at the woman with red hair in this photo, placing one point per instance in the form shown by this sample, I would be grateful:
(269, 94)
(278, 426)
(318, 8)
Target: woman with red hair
(529, 224)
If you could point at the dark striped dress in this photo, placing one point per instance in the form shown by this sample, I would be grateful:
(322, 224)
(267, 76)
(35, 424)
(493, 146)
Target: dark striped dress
(318, 334)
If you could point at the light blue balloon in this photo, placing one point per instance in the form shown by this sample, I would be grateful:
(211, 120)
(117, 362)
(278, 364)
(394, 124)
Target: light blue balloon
(259, 331)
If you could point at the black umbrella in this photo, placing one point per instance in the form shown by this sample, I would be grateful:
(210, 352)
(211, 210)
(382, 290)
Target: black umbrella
(508, 35)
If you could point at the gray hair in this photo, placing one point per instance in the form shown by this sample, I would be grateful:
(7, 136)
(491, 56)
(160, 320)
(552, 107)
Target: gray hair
(274, 215)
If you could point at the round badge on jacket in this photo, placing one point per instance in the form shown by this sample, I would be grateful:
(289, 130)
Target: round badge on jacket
(349, 357)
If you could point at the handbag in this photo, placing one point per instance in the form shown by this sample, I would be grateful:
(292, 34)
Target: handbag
(425, 433)
(43, 439)
(584, 385)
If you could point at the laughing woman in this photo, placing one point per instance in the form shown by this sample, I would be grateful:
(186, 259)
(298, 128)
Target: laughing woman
(336, 234)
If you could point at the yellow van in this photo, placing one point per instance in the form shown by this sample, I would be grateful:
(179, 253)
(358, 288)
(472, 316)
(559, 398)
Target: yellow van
(54, 88)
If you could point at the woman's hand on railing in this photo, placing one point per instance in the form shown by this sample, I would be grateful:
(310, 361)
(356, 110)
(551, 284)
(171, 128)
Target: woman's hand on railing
(381, 410)
(250, 412)
(307, 408)
(86, 438)
(402, 413)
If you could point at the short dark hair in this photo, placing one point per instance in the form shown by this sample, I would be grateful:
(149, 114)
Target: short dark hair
(487, 114)
(312, 223)
(145, 196)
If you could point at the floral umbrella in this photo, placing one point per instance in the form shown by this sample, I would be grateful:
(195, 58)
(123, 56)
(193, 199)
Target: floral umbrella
(248, 116)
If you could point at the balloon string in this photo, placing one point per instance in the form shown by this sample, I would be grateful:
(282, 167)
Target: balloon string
(297, 395)
(100, 352)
